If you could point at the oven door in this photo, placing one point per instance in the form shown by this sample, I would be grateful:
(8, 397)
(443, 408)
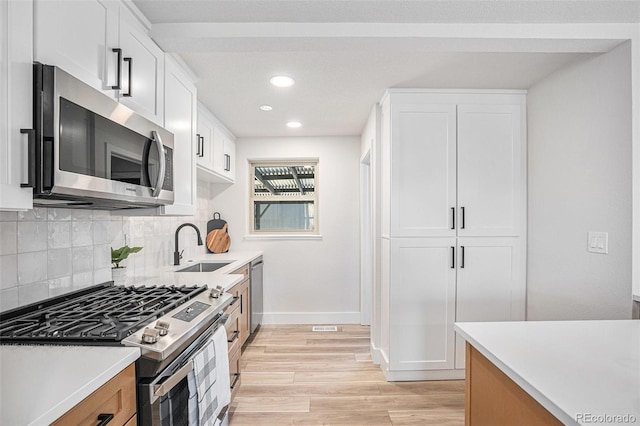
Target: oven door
(166, 396)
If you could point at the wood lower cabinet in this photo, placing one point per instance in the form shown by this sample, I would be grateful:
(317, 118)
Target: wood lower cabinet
(234, 372)
(241, 290)
(492, 398)
(115, 398)
(235, 346)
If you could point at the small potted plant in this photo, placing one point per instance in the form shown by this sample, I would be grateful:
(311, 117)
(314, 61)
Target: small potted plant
(119, 273)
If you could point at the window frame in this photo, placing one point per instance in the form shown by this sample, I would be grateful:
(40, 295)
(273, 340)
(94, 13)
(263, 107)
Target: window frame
(314, 197)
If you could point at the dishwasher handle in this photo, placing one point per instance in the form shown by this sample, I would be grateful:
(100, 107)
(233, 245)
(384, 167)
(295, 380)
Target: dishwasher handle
(257, 264)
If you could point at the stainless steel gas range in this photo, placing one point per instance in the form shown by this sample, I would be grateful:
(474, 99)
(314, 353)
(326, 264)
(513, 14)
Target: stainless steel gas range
(169, 324)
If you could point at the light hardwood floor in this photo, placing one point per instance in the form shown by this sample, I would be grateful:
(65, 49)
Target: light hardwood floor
(294, 376)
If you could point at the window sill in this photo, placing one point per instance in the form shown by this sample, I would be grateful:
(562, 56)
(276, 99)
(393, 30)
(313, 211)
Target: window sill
(282, 237)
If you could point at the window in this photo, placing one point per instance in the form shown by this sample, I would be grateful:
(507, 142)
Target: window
(284, 197)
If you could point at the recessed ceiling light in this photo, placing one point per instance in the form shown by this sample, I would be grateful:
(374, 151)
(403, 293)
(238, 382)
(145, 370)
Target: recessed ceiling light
(281, 81)
(294, 124)
(266, 107)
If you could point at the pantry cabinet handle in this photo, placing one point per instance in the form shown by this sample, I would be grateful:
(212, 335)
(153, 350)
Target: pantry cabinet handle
(201, 146)
(236, 334)
(197, 144)
(235, 380)
(31, 157)
(453, 257)
(462, 260)
(130, 61)
(104, 418)
(453, 218)
(462, 221)
(118, 85)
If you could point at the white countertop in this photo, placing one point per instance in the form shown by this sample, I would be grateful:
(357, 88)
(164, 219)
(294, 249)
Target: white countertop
(222, 277)
(569, 367)
(41, 383)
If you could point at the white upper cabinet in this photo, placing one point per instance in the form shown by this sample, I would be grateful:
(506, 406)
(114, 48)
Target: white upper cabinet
(224, 150)
(99, 42)
(216, 149)
(423, 170)
(78, 36)
(142, 71)
(204, 151)
(180, 109)
(16, 81)
(491, 170)
(457, 164)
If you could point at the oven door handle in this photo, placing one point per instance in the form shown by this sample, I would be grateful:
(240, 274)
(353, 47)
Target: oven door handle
(164, 388)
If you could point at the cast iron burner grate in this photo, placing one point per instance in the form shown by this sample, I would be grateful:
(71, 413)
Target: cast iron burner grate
(101, 314)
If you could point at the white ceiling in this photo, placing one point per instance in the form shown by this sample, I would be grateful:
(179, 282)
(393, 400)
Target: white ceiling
(343, 54)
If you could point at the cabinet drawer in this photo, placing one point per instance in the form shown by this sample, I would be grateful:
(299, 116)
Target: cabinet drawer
(244, 270)
(234, 372)
(233, 325)
(117, 397)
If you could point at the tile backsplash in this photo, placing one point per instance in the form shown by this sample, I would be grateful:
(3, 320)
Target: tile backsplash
(46, 252)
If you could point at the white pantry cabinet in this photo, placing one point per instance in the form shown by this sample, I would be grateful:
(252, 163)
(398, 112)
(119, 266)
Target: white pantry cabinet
(422, 304)
(457, 165)
(101, 43)
(16, 81)
(216, 149)
(453, 191)
(181, 103)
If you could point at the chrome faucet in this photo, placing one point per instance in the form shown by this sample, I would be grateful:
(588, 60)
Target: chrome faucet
(177, 255)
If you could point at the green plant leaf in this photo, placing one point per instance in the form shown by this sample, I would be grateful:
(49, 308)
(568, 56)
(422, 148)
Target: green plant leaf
(122, 253)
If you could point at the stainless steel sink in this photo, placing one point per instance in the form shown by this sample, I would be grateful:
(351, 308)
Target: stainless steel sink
(205, 266)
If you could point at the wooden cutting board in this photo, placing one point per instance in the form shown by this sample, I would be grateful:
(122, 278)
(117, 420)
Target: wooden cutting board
(218, 240)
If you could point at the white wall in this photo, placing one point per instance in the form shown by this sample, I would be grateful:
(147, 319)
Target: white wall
(305, 281)
(579, 122)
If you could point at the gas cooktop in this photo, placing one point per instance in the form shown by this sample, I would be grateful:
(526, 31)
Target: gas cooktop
(99, 314)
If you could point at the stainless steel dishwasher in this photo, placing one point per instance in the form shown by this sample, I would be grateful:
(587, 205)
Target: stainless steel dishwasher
(256, 293)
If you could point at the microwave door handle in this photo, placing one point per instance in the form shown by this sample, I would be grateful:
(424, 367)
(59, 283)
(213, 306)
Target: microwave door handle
(161, 169)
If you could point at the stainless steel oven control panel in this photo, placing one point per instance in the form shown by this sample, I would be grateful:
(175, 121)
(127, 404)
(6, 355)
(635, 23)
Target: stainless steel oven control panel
(163, 337)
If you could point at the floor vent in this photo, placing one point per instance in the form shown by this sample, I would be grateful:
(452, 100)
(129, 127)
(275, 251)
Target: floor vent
(324, 328)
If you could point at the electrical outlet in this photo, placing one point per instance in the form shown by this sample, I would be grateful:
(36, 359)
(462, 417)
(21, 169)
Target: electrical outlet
(598, 242)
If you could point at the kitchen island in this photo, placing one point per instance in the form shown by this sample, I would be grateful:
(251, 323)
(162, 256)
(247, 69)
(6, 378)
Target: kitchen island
(579, 372)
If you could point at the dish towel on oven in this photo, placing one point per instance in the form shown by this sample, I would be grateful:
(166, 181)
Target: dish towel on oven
(208, 383)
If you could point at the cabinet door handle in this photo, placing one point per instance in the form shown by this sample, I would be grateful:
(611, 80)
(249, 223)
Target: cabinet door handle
(453, 257)
(462, 220)
(235, 380)
(236, 334)
(104, 418)
(118, 85)
(201, 146)
(227, 162)
(240, 304)
(453, 218)
(462, 260)
(197, 144)
(31, 157)
(130, 61)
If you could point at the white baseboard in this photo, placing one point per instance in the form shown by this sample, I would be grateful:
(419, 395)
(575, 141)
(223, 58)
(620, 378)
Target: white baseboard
(311, 318)
(409, 375)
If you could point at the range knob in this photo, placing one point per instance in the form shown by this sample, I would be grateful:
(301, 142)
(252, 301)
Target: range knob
(162, 327)
(150, 335)
(216, 292)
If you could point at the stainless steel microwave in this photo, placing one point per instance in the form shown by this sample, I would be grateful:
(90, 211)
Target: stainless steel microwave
(89, 151)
